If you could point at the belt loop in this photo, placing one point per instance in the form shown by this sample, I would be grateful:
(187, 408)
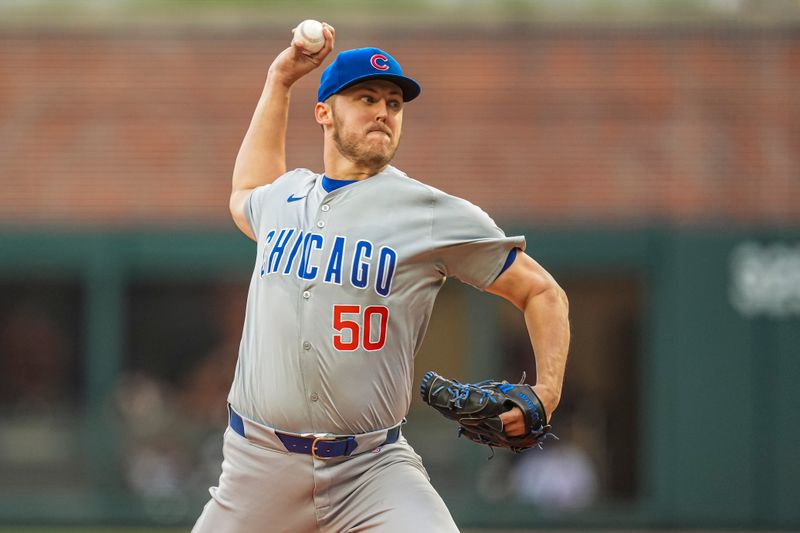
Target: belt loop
(351, 445)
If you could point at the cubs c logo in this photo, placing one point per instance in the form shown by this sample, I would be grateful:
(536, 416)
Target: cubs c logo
(379, 61)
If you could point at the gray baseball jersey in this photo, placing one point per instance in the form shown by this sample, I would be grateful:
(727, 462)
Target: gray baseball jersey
(341, 294)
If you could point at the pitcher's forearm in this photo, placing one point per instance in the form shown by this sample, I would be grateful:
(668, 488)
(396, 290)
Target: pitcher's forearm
(262, 156)
(547, 319)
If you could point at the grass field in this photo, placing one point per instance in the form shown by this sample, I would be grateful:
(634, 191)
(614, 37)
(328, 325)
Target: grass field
(55, 529)
(184, 530)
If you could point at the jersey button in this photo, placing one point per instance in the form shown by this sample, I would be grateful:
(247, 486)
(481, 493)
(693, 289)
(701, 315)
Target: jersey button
(314, 397)
(321, 224)
(306, 295)
(306, 345)
(326, 207)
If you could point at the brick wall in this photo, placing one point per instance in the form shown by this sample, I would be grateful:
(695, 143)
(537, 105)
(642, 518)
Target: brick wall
(140, 127)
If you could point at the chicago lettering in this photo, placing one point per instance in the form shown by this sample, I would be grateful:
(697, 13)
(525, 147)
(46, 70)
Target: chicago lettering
(309, 256)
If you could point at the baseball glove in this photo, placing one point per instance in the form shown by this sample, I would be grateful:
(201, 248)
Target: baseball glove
(477, 407)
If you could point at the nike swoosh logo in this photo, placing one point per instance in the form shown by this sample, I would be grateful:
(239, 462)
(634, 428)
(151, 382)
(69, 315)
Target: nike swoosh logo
(293, 198)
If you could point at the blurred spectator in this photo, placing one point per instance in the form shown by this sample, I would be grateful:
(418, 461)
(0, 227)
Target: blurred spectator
(172, 447)
(39, 387)
(204, 391)
(559, 477)
(37, 363)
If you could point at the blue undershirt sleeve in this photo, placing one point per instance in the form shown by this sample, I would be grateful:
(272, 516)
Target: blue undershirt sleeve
(509, 260)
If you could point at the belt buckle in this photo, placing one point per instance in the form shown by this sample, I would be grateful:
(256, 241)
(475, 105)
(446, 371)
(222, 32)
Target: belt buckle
(318, 438)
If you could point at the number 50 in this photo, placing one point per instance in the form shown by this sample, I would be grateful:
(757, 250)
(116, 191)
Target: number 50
(358, 334)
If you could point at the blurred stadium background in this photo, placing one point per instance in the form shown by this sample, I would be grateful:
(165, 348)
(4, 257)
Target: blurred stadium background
(649, 150)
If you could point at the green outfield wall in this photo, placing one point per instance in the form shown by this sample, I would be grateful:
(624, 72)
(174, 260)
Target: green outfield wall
(709, 394)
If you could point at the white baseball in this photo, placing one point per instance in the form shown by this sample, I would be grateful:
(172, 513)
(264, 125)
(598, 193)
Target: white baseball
(308, 34)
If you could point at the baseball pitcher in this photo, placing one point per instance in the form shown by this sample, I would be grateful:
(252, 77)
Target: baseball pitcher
(347, 268)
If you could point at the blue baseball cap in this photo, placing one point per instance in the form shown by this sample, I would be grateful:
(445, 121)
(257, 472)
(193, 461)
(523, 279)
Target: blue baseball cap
(354, 66)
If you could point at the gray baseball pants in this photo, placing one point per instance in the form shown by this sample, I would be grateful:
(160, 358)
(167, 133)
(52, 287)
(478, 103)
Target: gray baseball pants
(264, 488)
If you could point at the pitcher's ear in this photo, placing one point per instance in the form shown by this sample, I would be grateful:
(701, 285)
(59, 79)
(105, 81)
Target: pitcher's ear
(323, 113)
